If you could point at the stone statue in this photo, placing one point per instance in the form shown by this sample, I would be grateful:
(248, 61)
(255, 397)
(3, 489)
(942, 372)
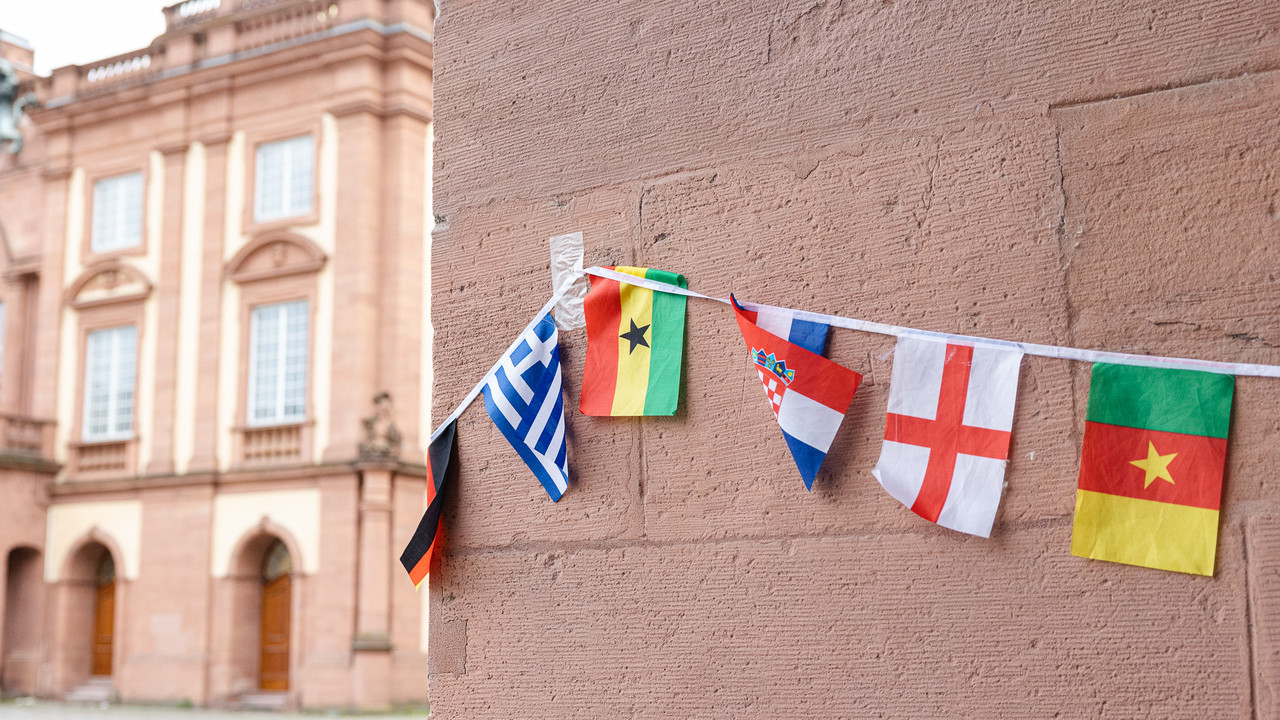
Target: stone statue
(12, 105)
(381, 438)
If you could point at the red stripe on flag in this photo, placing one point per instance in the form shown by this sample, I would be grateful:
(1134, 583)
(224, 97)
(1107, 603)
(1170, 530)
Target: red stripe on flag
(423, 567)
(946, 435)
(816, 377)
(942, 451)
(603, 309)
(1108, 452)
(432, 480)
(982, 442)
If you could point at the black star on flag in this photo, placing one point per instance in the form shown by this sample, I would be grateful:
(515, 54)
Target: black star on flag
(635, 336)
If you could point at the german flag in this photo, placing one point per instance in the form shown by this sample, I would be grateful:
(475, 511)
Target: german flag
(1155, 445)
(635, 346)
(416, 557)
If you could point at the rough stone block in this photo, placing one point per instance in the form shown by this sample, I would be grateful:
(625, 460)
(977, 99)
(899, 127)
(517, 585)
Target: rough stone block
(1262, 550)
(582, 95)
(954, 233)
(885, 625)
(1170, 227)
(498, 501)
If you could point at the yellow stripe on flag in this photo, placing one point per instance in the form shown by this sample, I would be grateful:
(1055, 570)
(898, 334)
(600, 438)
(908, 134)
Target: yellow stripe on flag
(1152, 534)
(633, 364)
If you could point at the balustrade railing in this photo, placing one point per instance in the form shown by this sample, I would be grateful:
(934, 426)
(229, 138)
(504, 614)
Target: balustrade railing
(27, 436)
(290, 21)
(118, 68)
(226, 26)
(275, 444)
(102, 458)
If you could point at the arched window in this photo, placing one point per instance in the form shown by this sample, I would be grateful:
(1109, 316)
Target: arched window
(277, 274)
(106, 573)
(276, 562)
(109, 299)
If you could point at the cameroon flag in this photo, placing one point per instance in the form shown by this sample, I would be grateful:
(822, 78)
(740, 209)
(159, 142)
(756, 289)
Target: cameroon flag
(1155, 443)
(635, 346)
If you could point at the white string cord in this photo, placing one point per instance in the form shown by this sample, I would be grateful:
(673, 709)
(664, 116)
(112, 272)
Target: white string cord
(475, 391)
(1051, 351)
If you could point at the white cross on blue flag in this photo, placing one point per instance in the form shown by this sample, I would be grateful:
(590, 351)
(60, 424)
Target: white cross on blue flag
(523, 399)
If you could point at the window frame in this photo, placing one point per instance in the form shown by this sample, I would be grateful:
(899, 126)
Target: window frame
(257, 270)
(126, 307)
(112, 434)
(308, 312)
(255, 140)
(93, 176)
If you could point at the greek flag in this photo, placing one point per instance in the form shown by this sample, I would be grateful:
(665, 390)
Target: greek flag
(523, 398)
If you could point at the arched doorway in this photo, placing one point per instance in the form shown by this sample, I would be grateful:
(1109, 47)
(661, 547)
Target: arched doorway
(86, 605)
(256, 615)
(104, 616)
(273, 651)
(23, 621)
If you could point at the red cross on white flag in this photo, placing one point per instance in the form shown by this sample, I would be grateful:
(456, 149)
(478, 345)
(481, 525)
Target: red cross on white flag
(946, 438)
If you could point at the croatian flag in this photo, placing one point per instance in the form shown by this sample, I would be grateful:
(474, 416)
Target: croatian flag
(523, 399)
(811, 336)
(946, 436)
(808, 393)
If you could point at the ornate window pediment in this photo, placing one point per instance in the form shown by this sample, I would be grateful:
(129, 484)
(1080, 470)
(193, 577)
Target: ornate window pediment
(110, 281)
(275, 254)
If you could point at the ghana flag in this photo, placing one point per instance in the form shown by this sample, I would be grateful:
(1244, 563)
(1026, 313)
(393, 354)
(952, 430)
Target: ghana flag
(1155, 443)
(635, 346)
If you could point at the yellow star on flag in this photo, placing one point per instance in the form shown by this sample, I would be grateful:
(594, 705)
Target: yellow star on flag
(1155, 465)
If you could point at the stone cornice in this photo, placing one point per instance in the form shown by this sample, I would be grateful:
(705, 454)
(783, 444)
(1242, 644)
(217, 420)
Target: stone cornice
(215, 74)
(301, 473)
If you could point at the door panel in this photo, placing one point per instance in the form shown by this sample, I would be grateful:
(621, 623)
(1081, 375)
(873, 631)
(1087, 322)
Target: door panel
(273, 664)
(104, 615)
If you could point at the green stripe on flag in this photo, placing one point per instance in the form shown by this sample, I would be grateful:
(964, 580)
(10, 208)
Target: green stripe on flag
(1190, 402)
(667, 350)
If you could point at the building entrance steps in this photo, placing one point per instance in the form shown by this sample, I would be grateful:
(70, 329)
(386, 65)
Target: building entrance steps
(96, 689)
(264, 700)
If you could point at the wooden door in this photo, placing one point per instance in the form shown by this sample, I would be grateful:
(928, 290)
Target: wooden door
(104, 616)
(273, 662)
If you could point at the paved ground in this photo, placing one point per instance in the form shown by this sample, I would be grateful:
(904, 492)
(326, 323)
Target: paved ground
(25, 709)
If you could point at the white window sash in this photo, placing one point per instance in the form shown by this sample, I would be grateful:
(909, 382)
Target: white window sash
(277, 203)
(117, 213)
(109, 342)
(278, 403)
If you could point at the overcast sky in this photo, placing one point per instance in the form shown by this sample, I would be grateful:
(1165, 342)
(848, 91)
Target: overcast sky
(75, 32)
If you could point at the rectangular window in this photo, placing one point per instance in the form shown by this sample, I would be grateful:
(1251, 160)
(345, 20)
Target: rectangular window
(278, 342)
(109, 374)
(284, 179)
(117, 213)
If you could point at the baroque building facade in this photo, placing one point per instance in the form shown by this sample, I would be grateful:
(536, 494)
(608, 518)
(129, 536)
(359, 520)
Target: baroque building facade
(214, 260)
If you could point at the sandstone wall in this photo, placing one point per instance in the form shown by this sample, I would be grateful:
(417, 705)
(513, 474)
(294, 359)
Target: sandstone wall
(1095, 174)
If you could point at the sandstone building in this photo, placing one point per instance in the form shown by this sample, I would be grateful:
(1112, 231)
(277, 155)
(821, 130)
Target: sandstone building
(213, 260)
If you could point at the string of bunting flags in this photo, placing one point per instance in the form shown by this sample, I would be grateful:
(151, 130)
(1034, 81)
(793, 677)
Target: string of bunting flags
(1152, 458)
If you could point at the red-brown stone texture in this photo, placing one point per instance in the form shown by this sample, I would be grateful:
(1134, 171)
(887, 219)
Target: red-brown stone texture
(1093, 174)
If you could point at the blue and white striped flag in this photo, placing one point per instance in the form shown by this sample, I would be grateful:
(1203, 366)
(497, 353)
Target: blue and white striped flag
(524, 400)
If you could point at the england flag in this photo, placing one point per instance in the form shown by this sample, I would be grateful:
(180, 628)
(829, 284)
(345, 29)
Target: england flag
(523, 399)
(808, 393)
(946, 437)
